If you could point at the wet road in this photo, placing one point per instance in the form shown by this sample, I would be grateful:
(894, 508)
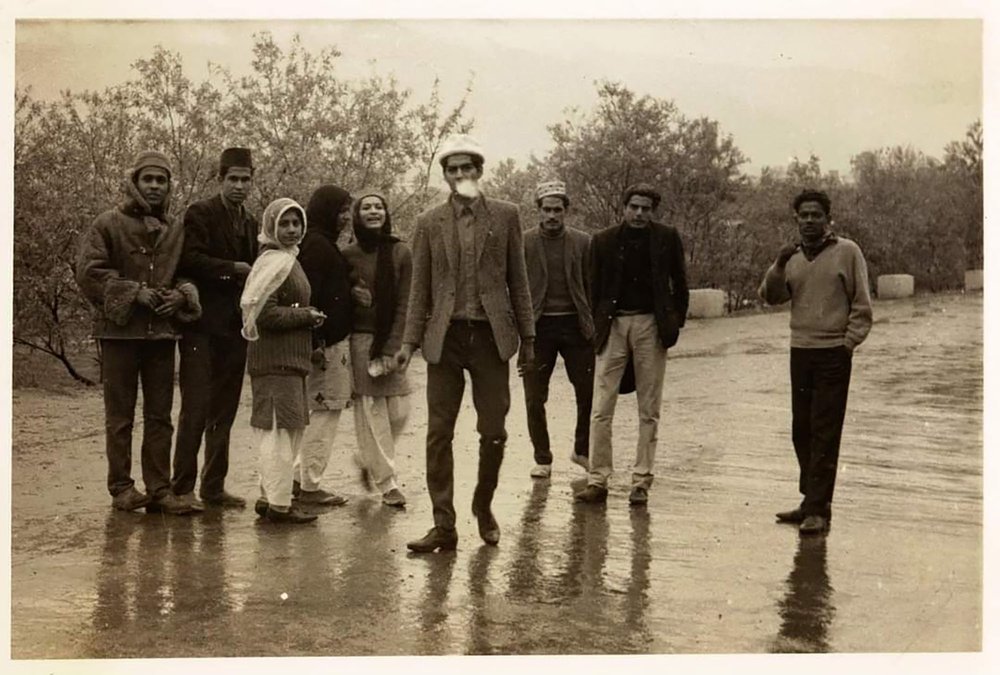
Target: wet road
(703, 569)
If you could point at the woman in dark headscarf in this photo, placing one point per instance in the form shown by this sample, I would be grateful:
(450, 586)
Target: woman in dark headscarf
(329, 382)
(381, 266)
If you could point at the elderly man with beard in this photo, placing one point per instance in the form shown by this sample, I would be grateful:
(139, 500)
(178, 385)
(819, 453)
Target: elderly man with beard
(220, 245)
(469, 306)
(127, 269)
(559, 273)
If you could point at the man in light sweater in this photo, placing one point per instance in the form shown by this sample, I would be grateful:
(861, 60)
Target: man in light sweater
(826, 278)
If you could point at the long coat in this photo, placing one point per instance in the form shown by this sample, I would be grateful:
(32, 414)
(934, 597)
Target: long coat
(501, 275)
(211, 247)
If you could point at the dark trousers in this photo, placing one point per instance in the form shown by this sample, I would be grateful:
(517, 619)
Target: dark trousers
(211, 379)
(820, 380)
(124, 363)
(468, 345)
(555, 335)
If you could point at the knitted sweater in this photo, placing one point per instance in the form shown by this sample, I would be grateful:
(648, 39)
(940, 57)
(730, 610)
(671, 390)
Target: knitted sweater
(831, 304)
(285, 344)
(363, 269)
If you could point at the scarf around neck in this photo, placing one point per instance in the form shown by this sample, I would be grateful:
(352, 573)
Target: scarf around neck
(272, 266)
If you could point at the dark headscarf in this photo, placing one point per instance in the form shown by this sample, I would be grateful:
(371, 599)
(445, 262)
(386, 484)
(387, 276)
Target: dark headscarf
(325, 266)
(323, 210)
(385, 274)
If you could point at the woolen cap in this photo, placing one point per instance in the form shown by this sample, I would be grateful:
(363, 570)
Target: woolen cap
(460, 144)
(550, 188)
(148, 158)
(239, 157)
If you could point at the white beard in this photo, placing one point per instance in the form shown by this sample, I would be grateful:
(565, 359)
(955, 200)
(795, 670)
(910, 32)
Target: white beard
(467, 188)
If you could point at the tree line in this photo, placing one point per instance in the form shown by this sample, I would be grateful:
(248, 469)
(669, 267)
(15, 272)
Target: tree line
(307, 125)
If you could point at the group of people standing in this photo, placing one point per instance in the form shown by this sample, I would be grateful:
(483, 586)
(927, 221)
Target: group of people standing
(320, 328)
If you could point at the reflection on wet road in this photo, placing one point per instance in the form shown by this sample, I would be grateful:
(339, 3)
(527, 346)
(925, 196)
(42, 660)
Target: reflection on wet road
(806, 610)
(703, 569)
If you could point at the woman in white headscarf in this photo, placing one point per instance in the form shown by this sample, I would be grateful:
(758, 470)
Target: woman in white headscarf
(278, 323)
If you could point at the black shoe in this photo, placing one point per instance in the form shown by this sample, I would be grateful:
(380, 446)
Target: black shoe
(130, 499)
(260, 507)
(814, 525)
(592, 494)
(170, 503)
(793, 516)
(436, 538)
(225, 500)
(292, 515)
(489, 529)
(639, 496)
(319, 498)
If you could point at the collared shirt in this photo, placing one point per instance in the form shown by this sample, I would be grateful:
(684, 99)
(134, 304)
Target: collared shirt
(236, 214)
(468, 216)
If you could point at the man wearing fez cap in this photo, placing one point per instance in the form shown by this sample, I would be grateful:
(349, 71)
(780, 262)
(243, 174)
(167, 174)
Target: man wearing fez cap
(558, 263)
(469, 307)
(220, 245)
(639, 295)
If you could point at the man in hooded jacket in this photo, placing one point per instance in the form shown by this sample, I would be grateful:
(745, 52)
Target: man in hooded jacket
(127, 269)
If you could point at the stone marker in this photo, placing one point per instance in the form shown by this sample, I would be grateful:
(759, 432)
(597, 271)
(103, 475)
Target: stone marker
(973, 280)
(707, 303)
(895, 286)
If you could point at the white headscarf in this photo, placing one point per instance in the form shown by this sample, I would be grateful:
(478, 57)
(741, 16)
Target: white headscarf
(272, 265)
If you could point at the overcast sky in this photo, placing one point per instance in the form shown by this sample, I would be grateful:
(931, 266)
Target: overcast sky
(781, 88)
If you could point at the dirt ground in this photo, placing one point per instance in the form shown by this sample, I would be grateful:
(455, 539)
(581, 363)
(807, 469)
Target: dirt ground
(703, 569)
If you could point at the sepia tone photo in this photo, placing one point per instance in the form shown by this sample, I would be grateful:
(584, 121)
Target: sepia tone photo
(508, 337)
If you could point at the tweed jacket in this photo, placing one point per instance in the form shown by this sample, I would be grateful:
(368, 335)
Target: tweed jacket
(670, 290)
(211, 247)
(577, 257)
(501, 274)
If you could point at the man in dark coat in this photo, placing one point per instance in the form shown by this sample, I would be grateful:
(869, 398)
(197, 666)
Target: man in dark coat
(469, 308)
(220, 244)
(639, 296)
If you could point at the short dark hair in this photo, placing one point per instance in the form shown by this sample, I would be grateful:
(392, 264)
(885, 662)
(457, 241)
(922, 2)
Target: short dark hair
(810, 195)
(224, 169)
(564, 198)
(641, 190)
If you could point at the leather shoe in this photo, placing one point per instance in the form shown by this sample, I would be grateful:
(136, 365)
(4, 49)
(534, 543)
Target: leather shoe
(393, 497)
(170, 503)
(793, 516)
(225, 500)
(320, 498)
(260, 507)
(592, 494)
(130, 499)
(489, 529)
(639, 496)
(814, 525)
(541, 471)
(436, 538)
(292, 515)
